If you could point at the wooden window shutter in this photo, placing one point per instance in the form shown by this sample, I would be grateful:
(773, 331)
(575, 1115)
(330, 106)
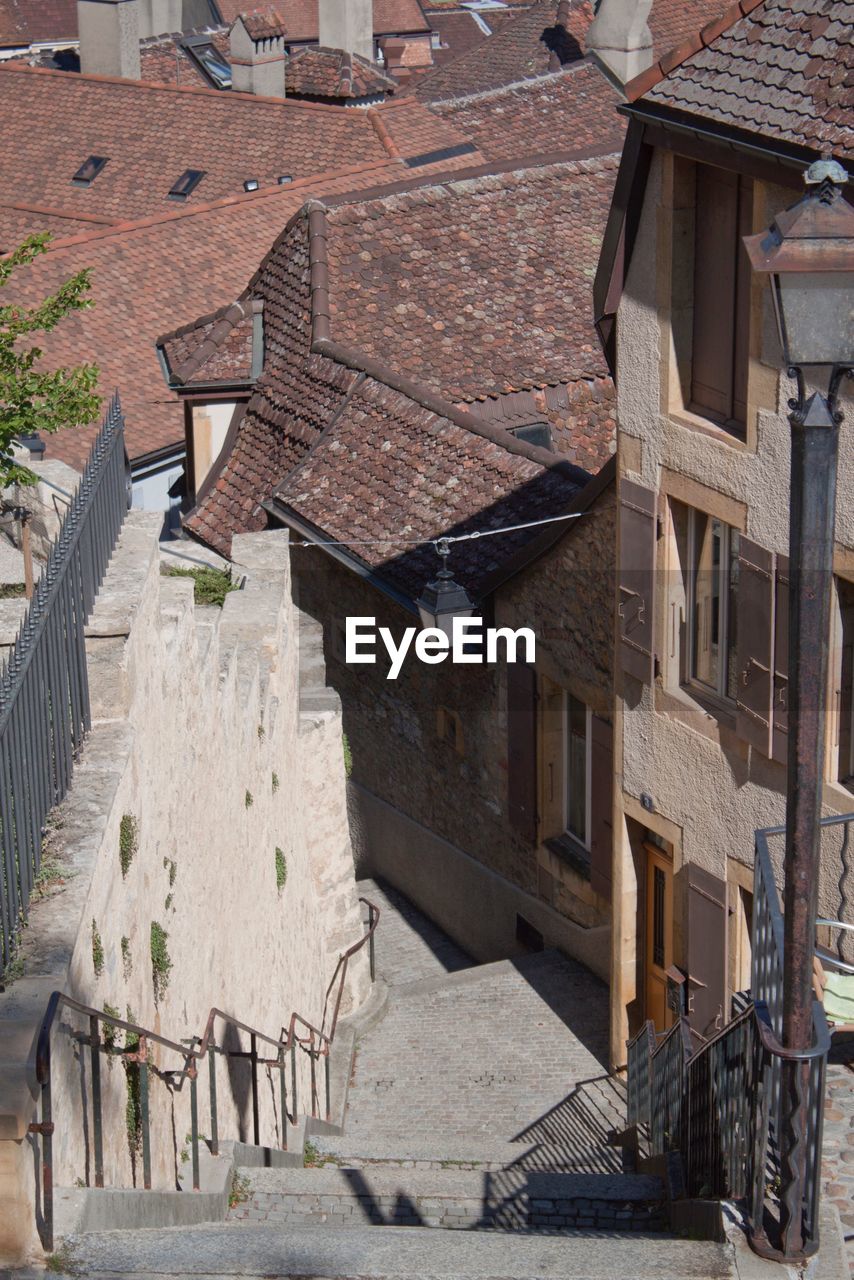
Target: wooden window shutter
(755, 639)
(715, 281)
(707, 950)
(522, 749)
(551, 721)
(601, 805)
(637, 572)
(780, 721)
(743, 281)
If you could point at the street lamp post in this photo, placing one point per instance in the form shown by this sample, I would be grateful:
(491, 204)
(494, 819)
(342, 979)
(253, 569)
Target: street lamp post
(809, 254)
(443, 599)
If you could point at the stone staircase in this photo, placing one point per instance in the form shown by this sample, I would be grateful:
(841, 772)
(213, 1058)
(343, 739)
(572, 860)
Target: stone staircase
(474, 1144)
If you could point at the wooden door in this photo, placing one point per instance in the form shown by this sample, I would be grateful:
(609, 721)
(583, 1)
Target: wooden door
(659, 935)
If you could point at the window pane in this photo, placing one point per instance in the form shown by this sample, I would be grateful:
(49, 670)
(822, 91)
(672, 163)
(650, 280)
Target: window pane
(659, 884)
(706, 620)
(576, 768)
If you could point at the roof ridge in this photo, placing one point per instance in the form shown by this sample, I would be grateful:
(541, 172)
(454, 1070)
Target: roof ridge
(680, 53)
(72, 216)
(149, 86)
(530, 82)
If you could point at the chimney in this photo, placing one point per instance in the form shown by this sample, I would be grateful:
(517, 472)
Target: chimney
(257, 54)
(109, 37)
(347, 25)
(160, 17)
(620, 39)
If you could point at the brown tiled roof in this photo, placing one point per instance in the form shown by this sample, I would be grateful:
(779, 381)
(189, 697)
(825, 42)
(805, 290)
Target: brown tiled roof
(672, 21)
(163, 59)
(24, 22)
(472, 287)
(148, 278)
(17, 222)
(572, 111)
(332, 73)
(301, 21)
(214, 349)
(51, 121)
(263, 24)
(390, 468)
(472, 252)
(459, 31)
(780, 68)
(543, 38)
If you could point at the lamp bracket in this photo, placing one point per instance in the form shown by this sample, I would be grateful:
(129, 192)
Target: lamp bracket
(798, 404)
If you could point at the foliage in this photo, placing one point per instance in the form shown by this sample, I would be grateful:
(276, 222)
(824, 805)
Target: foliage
(348, 755)
(239, 1192)
(133, 1108)
(275, 782)
(97, 951)
(248, 800)
(172, 867)
(281, 869)
(211, 585)
(13, 971)
(127, 958)
(51, 875)
(128, 841)
(11, 590)
(311, 1155)
(160, 961)
(61, 1262)
(33, 399)
(110, 1032)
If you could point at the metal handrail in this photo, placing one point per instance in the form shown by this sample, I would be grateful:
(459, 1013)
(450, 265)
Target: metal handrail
(316, 1043)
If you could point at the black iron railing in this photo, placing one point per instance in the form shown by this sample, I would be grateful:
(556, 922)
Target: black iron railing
(44, 689)
(239, 1043)
(721, 1106)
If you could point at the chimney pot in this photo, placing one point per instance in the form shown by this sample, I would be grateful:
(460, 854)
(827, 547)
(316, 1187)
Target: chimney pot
(109, 37)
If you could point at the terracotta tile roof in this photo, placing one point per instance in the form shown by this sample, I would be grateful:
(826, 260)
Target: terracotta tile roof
(332, 73)
(572, 111)
(672, 21)
(263, 24)
(18, 221)
(24, 22)
(214, 349)
(462, 278)
(543, 38)
(460, 32)
(163, 59)
(300, 17)
(473, 287)
(406, 55)
(390, 468)
(51, 121)
(780, 68)
(154, 275)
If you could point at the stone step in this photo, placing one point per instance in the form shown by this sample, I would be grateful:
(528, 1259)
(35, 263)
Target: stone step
(404, 1253)
(408, 1152)
(510, 1199)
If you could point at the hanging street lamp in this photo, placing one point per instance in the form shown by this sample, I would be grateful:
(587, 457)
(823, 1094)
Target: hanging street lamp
(809, 254)
(442, 600)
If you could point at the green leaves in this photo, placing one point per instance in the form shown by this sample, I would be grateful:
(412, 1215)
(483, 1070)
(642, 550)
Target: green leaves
(32, 398)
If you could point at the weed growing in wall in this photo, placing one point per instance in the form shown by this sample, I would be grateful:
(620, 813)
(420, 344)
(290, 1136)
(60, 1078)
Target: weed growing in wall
(51, 875)
(281, 869)
(127, 958)
(160, 961)
(128, 841)
(274, 781)
(261, 733)
(167, 905)
(248, 800)
(133, 1110)
(110, 1032)
(172, 867)
(210, 586)
(348, 755)
(97, 951)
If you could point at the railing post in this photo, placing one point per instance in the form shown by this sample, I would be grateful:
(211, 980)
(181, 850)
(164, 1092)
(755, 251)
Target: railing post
(313, 1074)
(214, 1117)
(256, 1119)
(293, 1078)
(326, 1070)
(283, 1098)
(142, 1050)
(97, 1116)
(192, 1072)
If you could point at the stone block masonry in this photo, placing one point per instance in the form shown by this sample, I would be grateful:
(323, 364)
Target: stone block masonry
(201, 859)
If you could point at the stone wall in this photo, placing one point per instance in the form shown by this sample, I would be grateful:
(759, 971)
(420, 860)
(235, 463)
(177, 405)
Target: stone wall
(458, 793)
(166, 899)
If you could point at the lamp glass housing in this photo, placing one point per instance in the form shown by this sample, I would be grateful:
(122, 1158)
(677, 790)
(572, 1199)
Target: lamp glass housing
(440, 602)
(815, 316)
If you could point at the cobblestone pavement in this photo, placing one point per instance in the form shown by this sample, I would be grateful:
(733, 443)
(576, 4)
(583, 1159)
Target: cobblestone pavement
(409, 946)
(838, 1151)
(490, 1052)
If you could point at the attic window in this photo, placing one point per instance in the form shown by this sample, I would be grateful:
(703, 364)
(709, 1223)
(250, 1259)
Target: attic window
(186, 184)
(214, 66)
(538, 433)
(89, 170)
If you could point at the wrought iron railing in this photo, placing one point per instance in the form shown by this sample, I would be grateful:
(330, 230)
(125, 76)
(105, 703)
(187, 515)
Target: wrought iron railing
(272, 1053)
(727, 1106)
(44, 688)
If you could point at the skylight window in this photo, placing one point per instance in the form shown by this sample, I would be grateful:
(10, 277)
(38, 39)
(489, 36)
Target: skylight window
(215, 66)
(89, 170)
(186, 184)
(538, 433)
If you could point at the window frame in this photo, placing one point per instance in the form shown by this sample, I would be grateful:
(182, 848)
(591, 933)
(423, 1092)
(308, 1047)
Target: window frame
(567, 833)
(719, 695)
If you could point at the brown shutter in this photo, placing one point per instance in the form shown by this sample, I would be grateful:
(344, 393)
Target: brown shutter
(522, 748)
(637, 565)
(601, 805)
(743, 280)
(715, 259)
(780, 722)
(755, 621)
(707, 950)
